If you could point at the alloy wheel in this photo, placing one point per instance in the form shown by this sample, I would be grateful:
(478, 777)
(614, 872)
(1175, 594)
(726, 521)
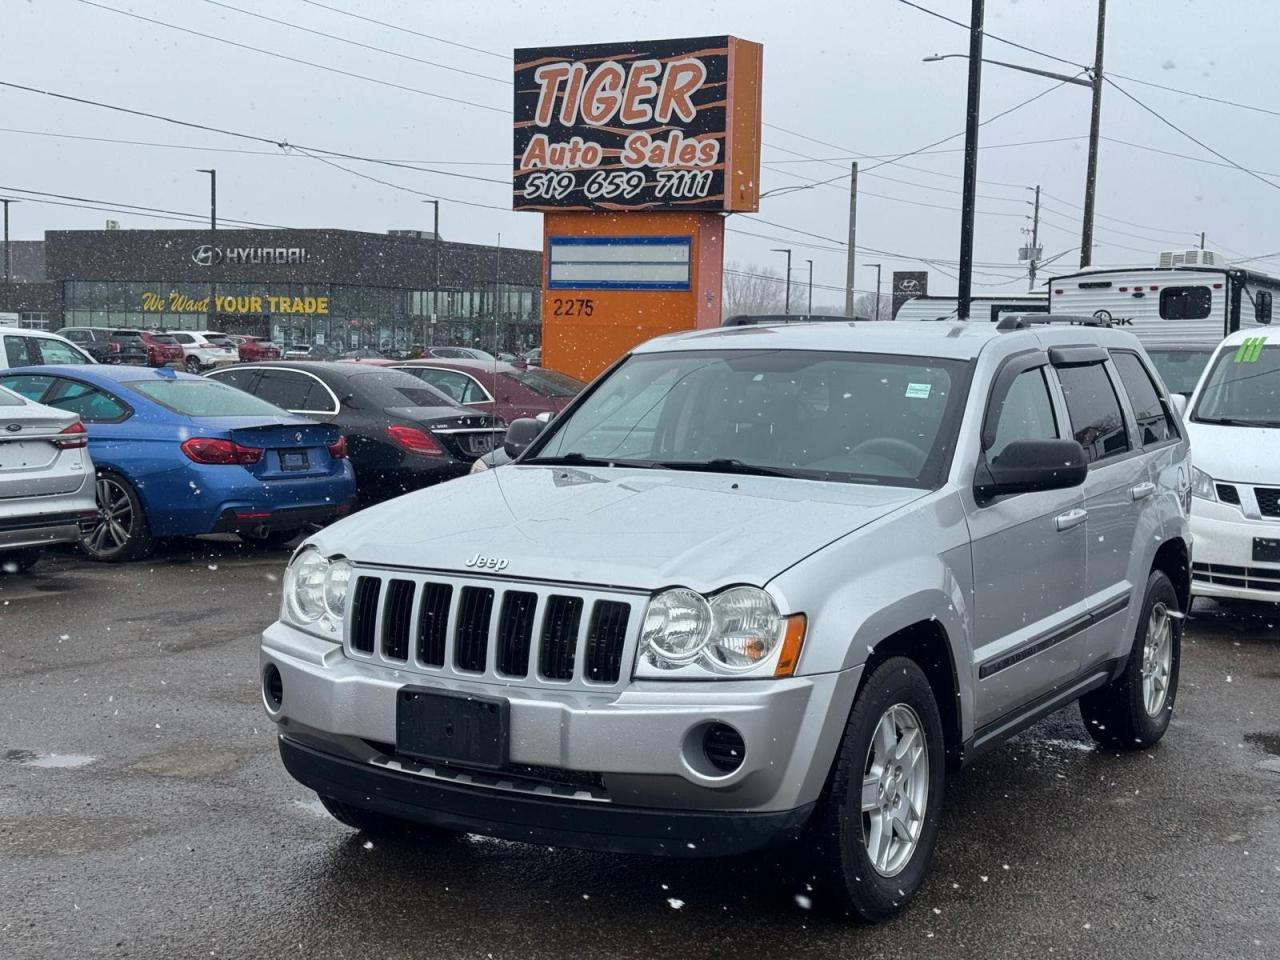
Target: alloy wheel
(1157, 659)
(895, 789)
(115, 522)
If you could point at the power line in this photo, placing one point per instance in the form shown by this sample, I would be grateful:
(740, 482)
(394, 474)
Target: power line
(1197, 142)
(992, 36)
(1127, 223)
(1185, 156)
(277, 55)
(284, 145)
(426, 36)
(398, 186)
(235, 150)
(1121, 233)
(118, 205)
(357, 43)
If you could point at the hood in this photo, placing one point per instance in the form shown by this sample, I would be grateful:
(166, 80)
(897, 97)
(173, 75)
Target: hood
(642, 529)
(1236, 454)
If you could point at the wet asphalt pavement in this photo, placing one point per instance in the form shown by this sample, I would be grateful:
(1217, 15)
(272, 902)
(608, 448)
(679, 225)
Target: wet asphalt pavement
(144, 813)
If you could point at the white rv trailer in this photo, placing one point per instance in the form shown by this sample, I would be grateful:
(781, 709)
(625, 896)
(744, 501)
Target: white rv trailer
(981, 308)
(1189, 297)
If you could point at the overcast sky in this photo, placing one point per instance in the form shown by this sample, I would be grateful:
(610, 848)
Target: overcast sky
(848, 73)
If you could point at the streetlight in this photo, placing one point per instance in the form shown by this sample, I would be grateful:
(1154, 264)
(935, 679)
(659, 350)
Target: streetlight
(213, 197)
(1094, 83)
(877, 266)
(809, 312)
(787, 251)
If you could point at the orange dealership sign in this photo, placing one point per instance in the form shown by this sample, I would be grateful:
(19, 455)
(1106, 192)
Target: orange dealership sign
(658, 125)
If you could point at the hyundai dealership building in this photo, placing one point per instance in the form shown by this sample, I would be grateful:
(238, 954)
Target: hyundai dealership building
(342, 288)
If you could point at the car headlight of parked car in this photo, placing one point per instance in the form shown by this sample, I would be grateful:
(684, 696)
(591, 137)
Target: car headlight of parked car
(1202, 485)
(315, 593)
(738, 632)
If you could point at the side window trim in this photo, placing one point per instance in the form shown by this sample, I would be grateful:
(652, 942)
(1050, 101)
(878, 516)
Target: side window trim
(480, 386)
(1007, 373)
(332, 396)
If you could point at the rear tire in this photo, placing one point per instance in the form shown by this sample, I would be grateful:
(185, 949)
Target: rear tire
(1133, 711)
(121, 532)
(376, 824)
(20, 561)
(889, 774)
(192, 365)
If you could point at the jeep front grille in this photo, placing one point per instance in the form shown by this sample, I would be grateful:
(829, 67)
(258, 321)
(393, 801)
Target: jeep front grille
(480, 629)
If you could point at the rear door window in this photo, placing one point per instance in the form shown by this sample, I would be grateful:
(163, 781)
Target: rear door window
(1155, 424)
(1185, 303)
(239, 377)
(286, 389)
(91, 403)
(15, 351)
(1094, 409)
(57, 351)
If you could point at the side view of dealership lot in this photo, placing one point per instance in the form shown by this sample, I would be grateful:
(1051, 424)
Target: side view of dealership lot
(622, 568)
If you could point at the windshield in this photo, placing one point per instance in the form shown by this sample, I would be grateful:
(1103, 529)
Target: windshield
(205, 398)
(1243, 387)
(547, 383)
(1180, 369)
(848, 417)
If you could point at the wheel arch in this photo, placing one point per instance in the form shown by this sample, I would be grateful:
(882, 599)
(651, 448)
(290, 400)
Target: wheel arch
(1173, 558)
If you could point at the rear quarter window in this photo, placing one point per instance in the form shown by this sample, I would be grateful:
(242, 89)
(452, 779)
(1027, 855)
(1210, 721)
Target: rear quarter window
(1096, 421)
(1155, 424)
(204, 398)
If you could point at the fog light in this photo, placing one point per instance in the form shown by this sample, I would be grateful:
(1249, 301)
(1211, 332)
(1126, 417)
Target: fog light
(272, 688)
(723, 747)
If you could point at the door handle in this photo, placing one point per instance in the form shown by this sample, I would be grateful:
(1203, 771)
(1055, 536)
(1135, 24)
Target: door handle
(1143, 490)
(1070, 519)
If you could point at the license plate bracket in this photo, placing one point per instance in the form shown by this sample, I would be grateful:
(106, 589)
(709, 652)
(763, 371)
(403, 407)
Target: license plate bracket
(1266, 550)
(294, 460)
(453, 727)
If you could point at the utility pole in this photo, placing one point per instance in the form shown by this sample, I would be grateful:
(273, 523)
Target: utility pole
(809, 312)
(1035, 237)
(853, 236)
(877, 266)
(8, 276)
(1091, 177)
(213, 229)
(787, 251)
(1201, 239)
(964, 294)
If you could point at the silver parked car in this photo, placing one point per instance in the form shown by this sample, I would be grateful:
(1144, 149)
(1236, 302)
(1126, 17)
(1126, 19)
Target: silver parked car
(755, 584)
(46, 480)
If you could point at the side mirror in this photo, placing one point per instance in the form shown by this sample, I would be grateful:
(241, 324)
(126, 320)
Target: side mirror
(520, 435)
(544, 417)
(1026, 466)
(1179, 401)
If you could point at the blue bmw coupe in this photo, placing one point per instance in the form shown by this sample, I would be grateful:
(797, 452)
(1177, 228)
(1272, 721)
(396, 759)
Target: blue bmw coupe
(179, 455)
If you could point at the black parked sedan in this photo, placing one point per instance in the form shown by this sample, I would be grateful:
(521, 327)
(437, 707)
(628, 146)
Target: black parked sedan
(401, 433)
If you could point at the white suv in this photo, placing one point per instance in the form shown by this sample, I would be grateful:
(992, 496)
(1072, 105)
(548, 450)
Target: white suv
(205, 350)
(31, 348)
(1235, 439)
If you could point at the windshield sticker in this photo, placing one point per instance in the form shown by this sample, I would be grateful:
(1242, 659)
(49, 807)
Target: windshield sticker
(919, 391)
(1250, 350)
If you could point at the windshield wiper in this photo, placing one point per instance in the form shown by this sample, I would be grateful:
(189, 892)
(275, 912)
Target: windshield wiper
(726, 465)
(1236, 422)
(576, 459)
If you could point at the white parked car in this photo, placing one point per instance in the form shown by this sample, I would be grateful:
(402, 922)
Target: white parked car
(46, 480)
(1234, 424)
(205, 349)
(29, 348)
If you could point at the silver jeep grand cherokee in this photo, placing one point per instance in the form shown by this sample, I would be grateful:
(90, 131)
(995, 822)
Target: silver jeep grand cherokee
(755, 584)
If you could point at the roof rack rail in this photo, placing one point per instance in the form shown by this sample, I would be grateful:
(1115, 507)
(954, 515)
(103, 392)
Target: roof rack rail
(1025, 321)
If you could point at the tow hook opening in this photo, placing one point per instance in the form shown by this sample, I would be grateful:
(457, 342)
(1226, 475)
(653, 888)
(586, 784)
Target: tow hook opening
(272, 688)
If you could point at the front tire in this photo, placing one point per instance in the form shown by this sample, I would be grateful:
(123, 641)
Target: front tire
(193, 365)
(121, 532)
(1133, 711)
(876, 826)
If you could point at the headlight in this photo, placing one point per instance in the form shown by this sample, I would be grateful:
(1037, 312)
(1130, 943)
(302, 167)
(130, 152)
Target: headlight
(1202, 485)
(737, 632)
(315, 592)
(748, 628)
(676, 628)
(479, 466)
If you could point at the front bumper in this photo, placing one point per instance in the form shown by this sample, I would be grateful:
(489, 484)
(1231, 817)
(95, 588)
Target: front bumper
(638, 743)
(1223, 562)
(536, 819)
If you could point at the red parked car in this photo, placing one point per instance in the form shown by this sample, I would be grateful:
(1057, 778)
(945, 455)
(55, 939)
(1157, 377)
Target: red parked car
(161, 349)
(255, 349)
(495, 387)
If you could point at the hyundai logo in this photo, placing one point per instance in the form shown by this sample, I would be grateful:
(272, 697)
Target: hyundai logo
(206, 255)
(909, 285)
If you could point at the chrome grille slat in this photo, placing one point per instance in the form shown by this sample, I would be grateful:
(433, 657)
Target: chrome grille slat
(536, 634)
